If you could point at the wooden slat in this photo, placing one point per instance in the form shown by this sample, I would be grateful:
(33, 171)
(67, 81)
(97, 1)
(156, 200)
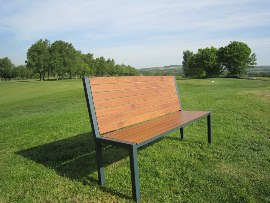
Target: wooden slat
(140, 129)
(131, 86)
(111, 95)
(164, 127)
(100, 104)
(128, 79)
(149, 129)
(127, 107)
(133, 120)
(137, 112)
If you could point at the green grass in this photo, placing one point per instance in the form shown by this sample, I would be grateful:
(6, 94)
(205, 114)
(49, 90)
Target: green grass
(47, 150)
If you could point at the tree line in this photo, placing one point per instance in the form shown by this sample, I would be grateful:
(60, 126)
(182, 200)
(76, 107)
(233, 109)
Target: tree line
(60, 59)
(8, 70)
(234, 58)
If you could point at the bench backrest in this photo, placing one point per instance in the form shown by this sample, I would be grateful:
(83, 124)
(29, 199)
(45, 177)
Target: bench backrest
(123, 101)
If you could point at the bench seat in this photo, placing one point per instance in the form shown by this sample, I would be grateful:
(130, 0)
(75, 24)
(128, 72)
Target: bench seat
(147, 130)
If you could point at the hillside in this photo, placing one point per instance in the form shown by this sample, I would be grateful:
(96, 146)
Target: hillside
(178, 70)
(259, 71)
(165, 70)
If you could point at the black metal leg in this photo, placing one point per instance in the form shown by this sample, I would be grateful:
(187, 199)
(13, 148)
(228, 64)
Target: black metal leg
(209, 128)
(182, 133)
(100, 167)
(134, 173)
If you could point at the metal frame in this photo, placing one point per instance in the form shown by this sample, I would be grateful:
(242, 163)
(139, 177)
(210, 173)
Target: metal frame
(178, 94)
(90, 107)
(133, 148)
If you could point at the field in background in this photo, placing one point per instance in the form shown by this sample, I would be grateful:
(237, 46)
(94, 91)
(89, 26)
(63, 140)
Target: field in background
(258, 71)
(47, 150)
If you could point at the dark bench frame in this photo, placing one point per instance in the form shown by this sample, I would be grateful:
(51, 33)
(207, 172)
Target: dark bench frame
(133, 148)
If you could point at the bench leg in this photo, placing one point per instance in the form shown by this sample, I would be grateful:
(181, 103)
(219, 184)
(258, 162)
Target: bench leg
(100, 167)
(134, 173)
(209, 128)
(182, 133)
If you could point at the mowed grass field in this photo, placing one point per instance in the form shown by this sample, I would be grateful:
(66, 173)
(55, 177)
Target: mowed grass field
(47, 150)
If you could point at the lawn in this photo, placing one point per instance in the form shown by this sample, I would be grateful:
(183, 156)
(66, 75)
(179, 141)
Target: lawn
(47, 150)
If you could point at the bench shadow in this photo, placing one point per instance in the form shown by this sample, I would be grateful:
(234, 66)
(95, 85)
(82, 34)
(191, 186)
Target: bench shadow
(75, 158)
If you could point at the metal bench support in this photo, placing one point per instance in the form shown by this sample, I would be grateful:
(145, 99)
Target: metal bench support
(182, 133)
(209, 128)
(134, 173)
(100, 167)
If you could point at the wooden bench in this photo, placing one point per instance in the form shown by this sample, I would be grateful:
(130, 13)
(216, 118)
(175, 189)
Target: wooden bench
(133, 111)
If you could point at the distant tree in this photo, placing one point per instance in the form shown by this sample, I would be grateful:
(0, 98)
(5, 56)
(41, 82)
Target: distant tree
(253, 60)
(207, 58)
(62, 58)
(83, 70)
(6, 68)
(187, 60)
(196, 70)
(236, 57)
(23, 73)
(191, 64)
(124, 70)
(80, 67)
(101, 66)
(90, 61)
(38, 57)
(110, 67)
(75, 63)
(211, 62)
(132, 71)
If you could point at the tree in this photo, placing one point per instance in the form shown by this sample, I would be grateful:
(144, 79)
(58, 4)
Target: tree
(110, 67)
(253, 60)
(22, 72)
(187, 59)
(6, 68)
(38, 57)
(62, 58)
(211, 62)
(89, 60)
(207, 58)
(191, 64)
(80, 67)
(236, 57)
(101, 66)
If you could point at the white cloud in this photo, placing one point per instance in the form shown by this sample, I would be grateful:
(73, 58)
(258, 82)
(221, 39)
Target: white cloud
(50, 16)
(134, 30)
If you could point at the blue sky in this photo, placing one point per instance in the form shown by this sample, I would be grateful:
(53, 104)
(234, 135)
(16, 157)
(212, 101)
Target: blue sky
(142, 33)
